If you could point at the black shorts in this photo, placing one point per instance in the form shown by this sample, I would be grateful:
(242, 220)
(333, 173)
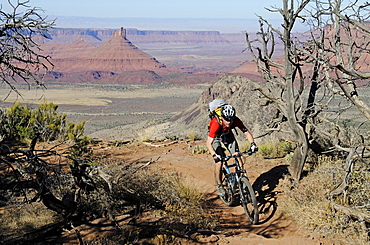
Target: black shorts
(228, 140)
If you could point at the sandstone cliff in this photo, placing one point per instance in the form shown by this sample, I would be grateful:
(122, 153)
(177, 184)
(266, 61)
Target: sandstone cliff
(115, 61)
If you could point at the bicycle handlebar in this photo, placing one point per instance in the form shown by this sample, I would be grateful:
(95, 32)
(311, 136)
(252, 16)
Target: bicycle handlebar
(249, 152)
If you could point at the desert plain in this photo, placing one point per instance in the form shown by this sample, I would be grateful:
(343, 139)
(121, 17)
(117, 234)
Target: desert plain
(106, 106)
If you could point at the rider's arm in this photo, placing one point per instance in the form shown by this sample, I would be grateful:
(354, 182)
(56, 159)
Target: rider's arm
(212, 133)
(244, 129)
(249, 136)
(209, 146)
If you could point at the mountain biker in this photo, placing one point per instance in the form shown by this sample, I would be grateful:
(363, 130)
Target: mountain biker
(220, 132)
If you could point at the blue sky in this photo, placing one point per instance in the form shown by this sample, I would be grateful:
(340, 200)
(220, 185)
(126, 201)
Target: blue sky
(227, 16)
(156, 8)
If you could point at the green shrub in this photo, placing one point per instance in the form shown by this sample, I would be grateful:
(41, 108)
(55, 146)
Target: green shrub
(198, 149)
(265, 149)
(16, 123)
(275, 148)
(22, 123)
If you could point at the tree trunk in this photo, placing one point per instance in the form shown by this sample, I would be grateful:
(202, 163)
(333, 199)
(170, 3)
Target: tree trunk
(300, 153)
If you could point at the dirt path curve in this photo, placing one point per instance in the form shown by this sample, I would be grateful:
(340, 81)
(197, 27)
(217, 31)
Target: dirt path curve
(274, 227)
(235, 229)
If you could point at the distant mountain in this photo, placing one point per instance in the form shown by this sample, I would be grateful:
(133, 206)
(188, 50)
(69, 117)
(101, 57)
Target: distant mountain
(118, 57)
(223, 25)
(115, 61)
(99, 36)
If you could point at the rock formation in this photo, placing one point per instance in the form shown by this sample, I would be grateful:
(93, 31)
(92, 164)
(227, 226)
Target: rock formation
(111, 56)
(110, 62)
(118, 55)
(99, 36)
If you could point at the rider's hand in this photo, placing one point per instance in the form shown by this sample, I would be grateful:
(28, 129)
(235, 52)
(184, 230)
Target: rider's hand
(216, 157)
(254, 147)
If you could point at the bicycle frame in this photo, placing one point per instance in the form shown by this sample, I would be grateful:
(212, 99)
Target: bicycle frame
(236, 164)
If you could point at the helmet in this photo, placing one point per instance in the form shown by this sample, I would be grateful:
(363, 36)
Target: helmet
(228, 112)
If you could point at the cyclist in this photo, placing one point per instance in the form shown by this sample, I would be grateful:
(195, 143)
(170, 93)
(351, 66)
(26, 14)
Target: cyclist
(219, 132)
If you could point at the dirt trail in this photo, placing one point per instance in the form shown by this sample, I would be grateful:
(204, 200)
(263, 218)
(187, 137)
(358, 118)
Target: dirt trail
(274, 227)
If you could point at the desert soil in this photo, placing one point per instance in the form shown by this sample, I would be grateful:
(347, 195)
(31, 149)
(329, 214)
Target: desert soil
(274, 227)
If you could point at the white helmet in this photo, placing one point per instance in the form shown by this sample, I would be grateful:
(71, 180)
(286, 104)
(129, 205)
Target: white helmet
(228, 112)
(216, 103)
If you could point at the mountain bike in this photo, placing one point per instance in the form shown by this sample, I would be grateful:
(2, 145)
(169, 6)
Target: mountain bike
(238, 189)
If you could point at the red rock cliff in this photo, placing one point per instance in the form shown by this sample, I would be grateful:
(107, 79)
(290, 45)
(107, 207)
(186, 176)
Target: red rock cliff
(116, 55)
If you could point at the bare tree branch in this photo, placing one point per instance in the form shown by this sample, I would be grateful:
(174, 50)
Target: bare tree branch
(19, 53)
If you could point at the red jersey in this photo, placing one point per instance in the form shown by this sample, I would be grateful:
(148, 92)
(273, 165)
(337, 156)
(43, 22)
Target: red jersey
(215, 129)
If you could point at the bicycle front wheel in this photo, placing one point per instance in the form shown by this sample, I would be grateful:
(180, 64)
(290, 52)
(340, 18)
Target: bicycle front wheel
(248, 199)
(228, 184)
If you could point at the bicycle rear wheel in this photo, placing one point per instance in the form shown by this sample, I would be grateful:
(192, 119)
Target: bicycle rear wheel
(248, 200)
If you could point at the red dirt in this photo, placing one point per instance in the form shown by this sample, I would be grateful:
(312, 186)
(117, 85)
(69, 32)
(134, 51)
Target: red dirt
(234, 228)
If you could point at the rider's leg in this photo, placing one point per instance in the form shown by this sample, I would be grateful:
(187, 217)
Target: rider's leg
(218, 172)
(219, 151)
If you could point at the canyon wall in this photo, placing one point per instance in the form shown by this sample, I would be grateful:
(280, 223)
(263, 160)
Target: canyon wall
(99, 36)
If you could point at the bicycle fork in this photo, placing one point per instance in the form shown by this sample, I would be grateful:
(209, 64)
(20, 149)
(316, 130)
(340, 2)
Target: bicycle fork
(231, 177)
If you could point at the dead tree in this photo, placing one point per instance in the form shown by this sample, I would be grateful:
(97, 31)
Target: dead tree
(315, 68)
(341, 34)
(340, 37)
(330, 63)
(283, 79)
(20, 58)
(65, 183)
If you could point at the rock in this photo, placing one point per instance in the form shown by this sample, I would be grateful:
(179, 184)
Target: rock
(115, 61)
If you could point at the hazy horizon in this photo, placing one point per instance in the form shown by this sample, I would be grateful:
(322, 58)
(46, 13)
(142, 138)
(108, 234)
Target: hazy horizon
(232, 16)
(223, 25)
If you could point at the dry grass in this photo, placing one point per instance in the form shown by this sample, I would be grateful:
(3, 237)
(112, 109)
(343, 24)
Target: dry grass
(309, 204)
(25, 217)
(181, 200)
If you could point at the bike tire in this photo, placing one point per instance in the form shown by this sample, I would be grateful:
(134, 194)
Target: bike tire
(229, 198)
(248, 199)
